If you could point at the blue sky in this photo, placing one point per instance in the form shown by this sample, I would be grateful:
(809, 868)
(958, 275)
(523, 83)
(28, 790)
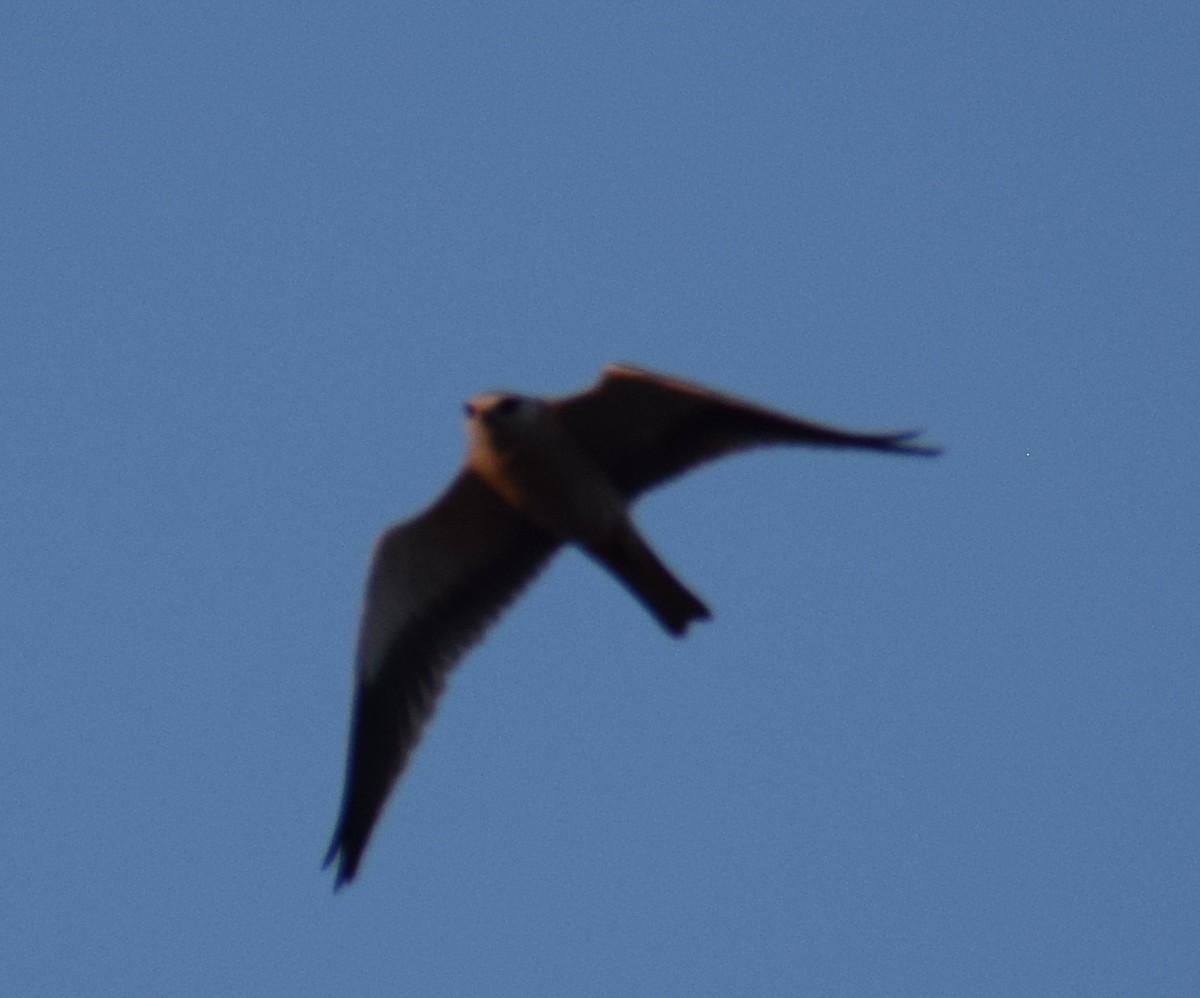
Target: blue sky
(941, 736)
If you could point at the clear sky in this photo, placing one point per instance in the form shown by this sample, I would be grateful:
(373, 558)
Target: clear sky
(941, 734)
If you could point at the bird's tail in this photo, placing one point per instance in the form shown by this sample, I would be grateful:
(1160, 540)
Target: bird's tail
(632, 561)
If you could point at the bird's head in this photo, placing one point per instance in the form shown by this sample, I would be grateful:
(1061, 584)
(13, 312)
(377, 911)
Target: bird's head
(503, 416)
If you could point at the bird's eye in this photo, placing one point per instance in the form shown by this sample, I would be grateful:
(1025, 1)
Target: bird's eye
(508, 405)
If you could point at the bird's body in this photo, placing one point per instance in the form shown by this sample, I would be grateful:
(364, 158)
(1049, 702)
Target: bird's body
(538, 474)
(520, 450)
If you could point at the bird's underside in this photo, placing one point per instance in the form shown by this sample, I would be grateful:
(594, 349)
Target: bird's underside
(539, 473)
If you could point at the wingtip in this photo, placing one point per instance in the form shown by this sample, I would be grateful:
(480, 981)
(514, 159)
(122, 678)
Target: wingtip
(342, 877)
(904, 443)
(345, 870)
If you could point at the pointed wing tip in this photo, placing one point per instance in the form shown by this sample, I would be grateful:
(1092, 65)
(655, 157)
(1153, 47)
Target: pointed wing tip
(902, 442)
(343, 876)
(906, 443)
(345, 867)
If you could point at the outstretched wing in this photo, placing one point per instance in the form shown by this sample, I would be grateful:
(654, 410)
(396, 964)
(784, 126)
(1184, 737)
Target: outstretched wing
(435, 585)
(643, 428)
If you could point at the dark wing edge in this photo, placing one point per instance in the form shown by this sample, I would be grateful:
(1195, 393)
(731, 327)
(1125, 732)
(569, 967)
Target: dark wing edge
(398, 683)
(645, 428)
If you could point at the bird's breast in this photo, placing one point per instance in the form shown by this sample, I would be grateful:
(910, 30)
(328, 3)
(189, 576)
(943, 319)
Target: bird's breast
(553, 485)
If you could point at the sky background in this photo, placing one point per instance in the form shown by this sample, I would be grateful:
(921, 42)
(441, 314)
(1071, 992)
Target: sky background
(940, 737)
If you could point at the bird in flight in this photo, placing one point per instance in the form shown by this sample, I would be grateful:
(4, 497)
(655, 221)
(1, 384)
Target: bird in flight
(539, 473)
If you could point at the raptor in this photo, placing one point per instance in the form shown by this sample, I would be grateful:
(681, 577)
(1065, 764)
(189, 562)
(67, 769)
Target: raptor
(539, 473)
